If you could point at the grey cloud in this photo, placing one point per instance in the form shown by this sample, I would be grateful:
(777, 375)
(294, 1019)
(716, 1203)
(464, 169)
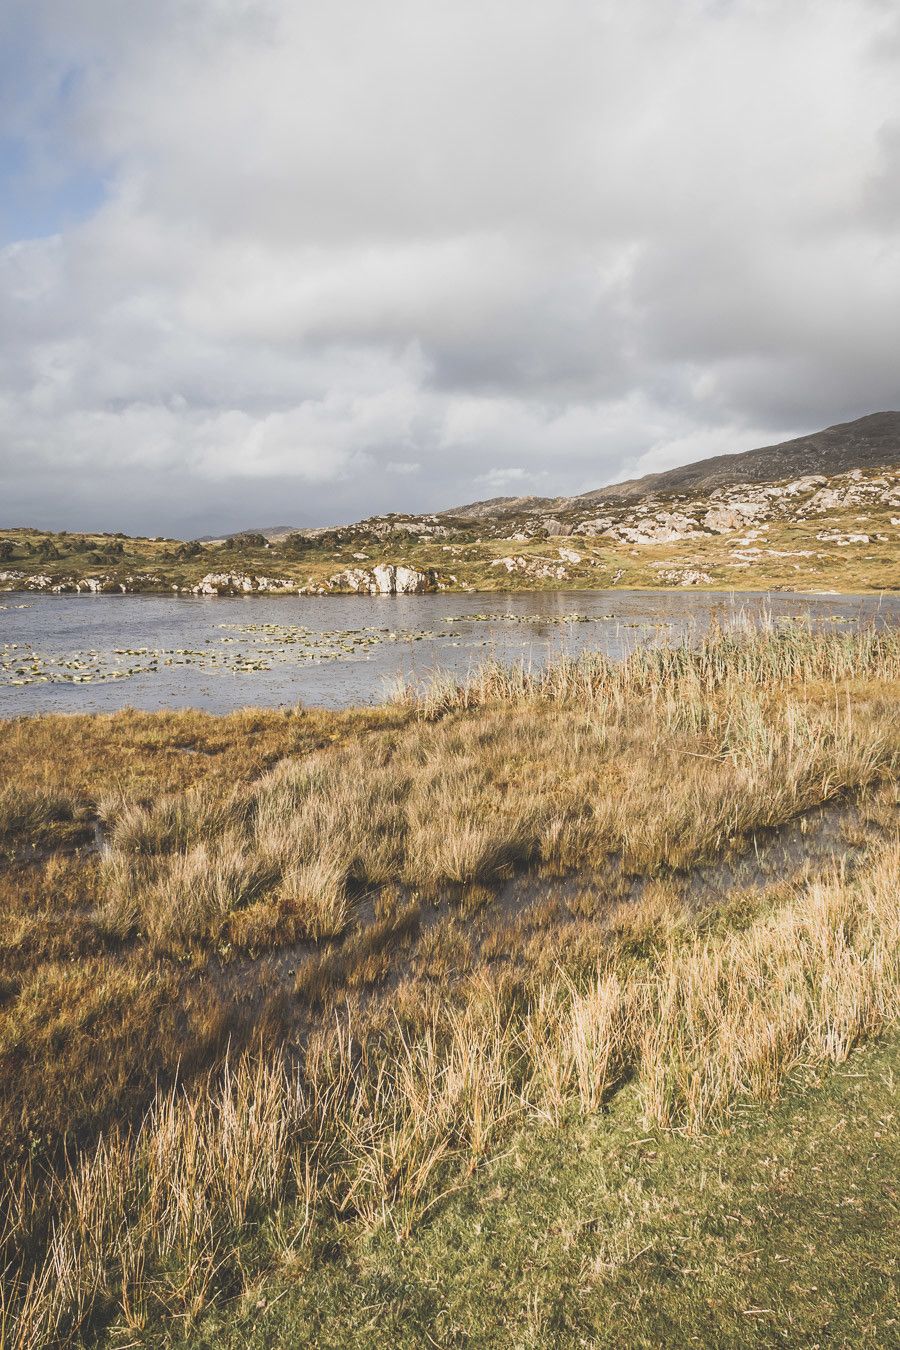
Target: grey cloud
(357, 255)
(881, 197)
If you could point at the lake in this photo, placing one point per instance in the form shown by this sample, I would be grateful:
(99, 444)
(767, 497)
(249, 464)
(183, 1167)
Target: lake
(87, 653)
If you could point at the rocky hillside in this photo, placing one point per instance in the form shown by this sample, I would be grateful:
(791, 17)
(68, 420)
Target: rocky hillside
(868, 443)
(815, 532)
(690, 527)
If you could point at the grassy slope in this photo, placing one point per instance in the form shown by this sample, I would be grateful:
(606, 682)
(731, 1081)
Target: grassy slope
(780, 1231)
(853, 567)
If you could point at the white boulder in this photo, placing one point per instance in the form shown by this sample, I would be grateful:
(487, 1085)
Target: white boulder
(384, 579)
(734, 516)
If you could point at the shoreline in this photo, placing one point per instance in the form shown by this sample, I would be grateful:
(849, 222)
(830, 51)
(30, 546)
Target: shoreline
(700, 589)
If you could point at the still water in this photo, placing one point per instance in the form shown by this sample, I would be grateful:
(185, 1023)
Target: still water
(90, 653)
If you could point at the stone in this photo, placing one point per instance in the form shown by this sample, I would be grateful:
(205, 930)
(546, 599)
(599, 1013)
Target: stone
(828, 499)
(590, 528)
(533, 567)
(801, 485)
(393, 580)
(687, 576)
(241, 583)
(352, 579)
(734, 516)
(841, 539)
(384, 579)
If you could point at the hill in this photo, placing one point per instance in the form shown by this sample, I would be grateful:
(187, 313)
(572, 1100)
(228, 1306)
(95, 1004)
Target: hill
(869, 442)
(822, 511)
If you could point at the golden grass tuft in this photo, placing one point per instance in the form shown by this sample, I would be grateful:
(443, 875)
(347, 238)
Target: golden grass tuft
(378, 1129)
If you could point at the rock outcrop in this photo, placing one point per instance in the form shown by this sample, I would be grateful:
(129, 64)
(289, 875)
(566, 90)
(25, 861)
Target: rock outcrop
(242, 583)
(385, 579)
(541, 569)
(733, 516)
(75, 585)
(684, 576)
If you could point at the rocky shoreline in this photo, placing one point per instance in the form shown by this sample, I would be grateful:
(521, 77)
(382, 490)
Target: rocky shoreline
(383, 579)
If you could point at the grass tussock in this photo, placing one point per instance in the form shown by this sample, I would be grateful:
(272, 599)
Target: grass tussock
(378, 1128)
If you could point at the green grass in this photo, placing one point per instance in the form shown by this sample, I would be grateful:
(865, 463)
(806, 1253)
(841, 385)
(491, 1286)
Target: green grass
(779, 1232)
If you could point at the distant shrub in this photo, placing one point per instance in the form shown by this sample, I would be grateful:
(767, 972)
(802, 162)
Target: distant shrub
(247, 540)
(190, 549)
(45, 548)
(322, 541)
(114, 549)
(297, 543)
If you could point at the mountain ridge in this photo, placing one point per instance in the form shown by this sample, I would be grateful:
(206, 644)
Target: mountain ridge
(868, 442)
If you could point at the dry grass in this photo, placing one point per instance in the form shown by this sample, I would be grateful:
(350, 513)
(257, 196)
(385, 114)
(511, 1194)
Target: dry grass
(247, 1160)
(130, 755)
(662, 760)
(377, 1128)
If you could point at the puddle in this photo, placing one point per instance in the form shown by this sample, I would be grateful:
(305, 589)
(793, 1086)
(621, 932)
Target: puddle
(779, 854)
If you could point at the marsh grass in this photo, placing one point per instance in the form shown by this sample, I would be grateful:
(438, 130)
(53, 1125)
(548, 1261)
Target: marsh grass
(662, 760)
(33, 819)
(377, 1127)
(382, 1106)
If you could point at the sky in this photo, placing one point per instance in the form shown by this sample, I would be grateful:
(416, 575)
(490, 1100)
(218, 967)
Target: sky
(267, 263)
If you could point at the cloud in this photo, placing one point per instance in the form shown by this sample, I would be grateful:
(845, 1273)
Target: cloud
(514, 477)
(311, 262)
